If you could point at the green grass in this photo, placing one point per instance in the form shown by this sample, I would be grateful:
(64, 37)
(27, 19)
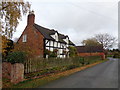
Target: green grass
(33, 83)
(6, 83)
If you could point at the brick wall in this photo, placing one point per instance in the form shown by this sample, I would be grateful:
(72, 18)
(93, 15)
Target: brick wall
(6, 70)
(34, 38)
(14, 72)
(34, 41)
(93, 54)
(17, 73)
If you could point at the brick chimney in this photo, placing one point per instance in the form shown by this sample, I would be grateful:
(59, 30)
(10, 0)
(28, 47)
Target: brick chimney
(31, 18)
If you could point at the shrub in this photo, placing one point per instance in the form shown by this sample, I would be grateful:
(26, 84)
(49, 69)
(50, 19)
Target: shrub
(115, 55)
(82, 61)
(72, 66)
(72, 51)
(47, 52)
(50, 53)
(16, 57)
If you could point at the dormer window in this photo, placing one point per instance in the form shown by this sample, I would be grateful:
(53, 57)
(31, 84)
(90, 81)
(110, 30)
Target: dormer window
(66, 40)
(55, 36)
(24, 38)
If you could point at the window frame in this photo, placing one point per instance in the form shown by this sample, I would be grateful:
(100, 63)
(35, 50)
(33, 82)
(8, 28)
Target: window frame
(24, 39)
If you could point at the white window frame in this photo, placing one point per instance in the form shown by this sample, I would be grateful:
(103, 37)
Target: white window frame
(24, 38)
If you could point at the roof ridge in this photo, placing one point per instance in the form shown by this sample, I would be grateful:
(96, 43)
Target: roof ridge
(47, 32)
(41, 26)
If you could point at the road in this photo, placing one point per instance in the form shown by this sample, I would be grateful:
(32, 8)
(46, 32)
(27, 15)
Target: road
(104, 75)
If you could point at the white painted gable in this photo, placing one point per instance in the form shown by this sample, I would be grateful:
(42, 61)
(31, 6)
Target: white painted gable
(55, 36)
(66, 40)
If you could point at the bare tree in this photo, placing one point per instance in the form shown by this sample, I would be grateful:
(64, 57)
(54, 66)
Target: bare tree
(106, 40)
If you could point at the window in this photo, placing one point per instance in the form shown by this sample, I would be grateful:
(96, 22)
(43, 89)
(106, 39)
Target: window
(24, 38)
(51, 43)
(55, 44)
(47, 48)
(51, 49)
(58, 44)
(60, 51)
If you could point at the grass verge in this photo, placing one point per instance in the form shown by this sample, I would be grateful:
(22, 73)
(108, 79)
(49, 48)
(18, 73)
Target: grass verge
(33, 83)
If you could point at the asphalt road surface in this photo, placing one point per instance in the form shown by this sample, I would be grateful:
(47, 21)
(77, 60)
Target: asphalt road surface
(104, 75)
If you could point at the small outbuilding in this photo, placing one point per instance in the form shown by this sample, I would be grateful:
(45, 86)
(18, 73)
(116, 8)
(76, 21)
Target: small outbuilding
(91, 51)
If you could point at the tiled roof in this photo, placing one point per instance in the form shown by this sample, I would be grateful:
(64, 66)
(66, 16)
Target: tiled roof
(47, 32)
(71, 43)
(89, 49)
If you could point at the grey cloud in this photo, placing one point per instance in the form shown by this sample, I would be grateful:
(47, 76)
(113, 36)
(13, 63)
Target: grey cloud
(78, 20)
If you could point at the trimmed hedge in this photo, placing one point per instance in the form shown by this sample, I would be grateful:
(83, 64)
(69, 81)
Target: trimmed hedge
(16, 57)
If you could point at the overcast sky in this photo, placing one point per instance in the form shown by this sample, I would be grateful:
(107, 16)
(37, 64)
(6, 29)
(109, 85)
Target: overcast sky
(79, 19)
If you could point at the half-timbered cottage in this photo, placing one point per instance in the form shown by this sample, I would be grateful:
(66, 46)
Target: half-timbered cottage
(40, 39)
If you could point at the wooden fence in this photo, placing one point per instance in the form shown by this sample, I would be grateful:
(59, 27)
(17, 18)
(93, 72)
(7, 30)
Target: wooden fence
(34, 65)
(38, 64)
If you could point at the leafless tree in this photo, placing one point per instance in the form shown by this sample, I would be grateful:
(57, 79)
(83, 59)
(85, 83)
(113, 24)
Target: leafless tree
(108, 41)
